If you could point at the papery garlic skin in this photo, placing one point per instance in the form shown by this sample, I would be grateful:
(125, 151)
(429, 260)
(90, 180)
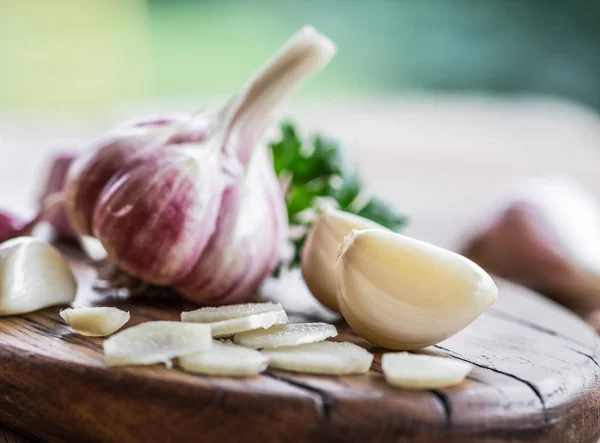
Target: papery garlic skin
(95, 321)
(33, 276)
(401, 293)
(320, 252)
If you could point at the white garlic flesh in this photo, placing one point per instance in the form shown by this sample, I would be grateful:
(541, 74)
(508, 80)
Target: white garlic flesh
(225, 359)
(95, 321)
(326, 358)
(404, 294)
(286, 335)
(417, 371)
(156, 342)
(33, 276)
(320, 251)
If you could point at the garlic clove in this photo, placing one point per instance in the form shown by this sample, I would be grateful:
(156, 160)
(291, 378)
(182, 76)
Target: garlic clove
(417, 371)
(33, 276)
(226, 359)
(401, 293)
(286, 335)
(156, 342)
(326, 357)
(217, 314)
(320, 251)
(96, 321)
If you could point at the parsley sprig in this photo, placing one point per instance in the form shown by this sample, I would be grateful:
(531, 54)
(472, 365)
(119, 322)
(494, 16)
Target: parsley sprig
(318, 173)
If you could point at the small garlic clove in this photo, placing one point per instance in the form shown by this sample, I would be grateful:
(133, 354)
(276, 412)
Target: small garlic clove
(320, 251)
(326, 357)
(156, 342)
(96, 321)
(33, 276)
(417, 371)
(216, 314)
(401, 293)
(226, 359)
(286, 335)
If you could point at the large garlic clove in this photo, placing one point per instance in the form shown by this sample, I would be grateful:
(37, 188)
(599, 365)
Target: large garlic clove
(326, 357)
(320, 251)
(401, 293)
(226, 359)
(417, 371)
(33, 276)
(156, 342)
(286, 335)
(96, 321)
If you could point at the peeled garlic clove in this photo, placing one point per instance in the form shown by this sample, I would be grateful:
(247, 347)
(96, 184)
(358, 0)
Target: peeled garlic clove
(225, 359)
(286, 335)
(229, 320)
(401, 293)
(216, 314)
(95, 322)
(326, 357)
(33, 276)
(320, 251)
(416, 371)
(156, 342)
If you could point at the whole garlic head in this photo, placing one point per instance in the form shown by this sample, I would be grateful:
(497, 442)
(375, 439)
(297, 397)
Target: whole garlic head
(401, 293)
(320, 251)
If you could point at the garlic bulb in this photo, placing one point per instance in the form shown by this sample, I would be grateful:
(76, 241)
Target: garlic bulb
(192, 201)
(401, 293)
(33, 276)
(320, 251)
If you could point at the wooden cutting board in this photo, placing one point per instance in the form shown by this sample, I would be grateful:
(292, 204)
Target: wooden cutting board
(536, 378)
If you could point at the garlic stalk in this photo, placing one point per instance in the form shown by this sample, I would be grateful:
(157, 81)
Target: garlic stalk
(33, 276)
(320, 252)
(192, 202)
(401, 293)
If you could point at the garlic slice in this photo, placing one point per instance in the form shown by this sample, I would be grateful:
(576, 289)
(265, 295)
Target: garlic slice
(229, 320)
(33, 276)
(225, 359)
(286, 335)
(96, 321)
(326, 357)
(156, 342)
(320, 251)
(417, 371)
(401, 293)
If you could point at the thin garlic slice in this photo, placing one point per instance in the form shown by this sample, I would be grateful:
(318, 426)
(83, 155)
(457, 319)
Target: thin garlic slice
(96, 321)
(320, 251)
(229, 320)
(403, 294)
(418, 371)
(33, 276)
(156, 342)
(220, 313)
(286, 335)
(326, 357)
(225, 359)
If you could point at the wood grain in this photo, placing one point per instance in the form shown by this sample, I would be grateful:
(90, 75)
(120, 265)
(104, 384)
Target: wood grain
(536, 379)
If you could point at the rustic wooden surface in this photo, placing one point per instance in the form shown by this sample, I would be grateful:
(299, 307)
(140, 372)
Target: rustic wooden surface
(441, 160)
(536, 378)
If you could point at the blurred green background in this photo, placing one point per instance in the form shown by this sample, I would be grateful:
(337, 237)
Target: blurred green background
(93, 54)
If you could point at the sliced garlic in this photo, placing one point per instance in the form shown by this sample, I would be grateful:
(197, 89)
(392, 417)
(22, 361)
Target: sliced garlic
(229, 320)
(95, 322)
(404, 294)
(326, 357)
(156, 342)
(286, 335)
(33, 276)
(417, 371)
(321, 248)
(225, 359)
